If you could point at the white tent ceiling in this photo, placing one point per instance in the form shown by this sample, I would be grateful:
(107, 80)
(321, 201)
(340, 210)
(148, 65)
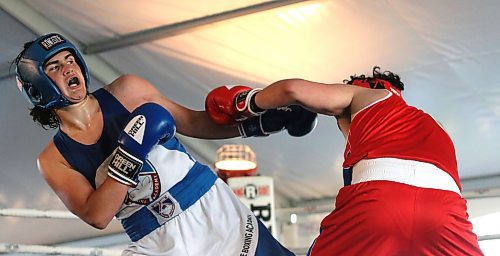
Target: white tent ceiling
(447, 53)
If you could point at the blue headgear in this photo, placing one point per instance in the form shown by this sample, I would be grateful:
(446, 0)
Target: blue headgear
(31, 77)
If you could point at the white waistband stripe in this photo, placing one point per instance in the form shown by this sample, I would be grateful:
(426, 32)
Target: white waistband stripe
(409, 172)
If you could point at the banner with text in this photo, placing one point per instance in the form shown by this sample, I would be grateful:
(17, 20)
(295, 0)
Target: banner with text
(257, 192)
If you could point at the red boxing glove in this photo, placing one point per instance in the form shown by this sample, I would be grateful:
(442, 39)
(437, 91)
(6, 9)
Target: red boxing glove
(229, 105)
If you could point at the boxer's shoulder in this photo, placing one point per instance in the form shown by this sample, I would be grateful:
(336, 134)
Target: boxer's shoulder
(131, 90)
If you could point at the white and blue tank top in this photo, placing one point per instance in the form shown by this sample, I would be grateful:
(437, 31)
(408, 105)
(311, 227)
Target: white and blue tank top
(170, 181)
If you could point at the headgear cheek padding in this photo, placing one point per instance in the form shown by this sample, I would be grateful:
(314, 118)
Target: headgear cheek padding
(31, 78)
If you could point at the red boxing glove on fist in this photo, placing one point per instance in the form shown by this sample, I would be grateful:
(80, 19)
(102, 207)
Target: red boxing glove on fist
(229, 105)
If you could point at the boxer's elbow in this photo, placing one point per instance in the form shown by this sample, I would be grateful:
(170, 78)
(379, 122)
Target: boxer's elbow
(98, 223)
(290, 89)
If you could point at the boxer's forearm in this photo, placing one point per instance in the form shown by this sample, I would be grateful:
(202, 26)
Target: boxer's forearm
(103, 203)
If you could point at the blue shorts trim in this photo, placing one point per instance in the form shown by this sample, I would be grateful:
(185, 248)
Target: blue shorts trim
(186, 192)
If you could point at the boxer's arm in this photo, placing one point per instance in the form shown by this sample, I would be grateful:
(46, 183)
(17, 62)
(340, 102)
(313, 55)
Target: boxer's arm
(194, 123)
(328, 99)
(133, 91)
(95, 207)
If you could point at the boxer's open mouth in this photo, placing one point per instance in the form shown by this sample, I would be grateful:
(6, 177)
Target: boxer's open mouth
(73, 82)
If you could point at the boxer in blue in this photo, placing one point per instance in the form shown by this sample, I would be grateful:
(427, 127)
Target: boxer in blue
(115, 154)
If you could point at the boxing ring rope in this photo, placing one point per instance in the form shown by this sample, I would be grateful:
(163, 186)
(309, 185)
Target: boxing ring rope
(53, 250)
(32, 213)
(488, 237)
(86, 251)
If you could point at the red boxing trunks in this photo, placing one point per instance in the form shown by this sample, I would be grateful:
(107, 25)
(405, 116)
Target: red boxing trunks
(391, 218)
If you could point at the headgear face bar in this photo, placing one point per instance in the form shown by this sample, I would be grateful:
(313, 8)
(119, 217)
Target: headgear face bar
(31, 78)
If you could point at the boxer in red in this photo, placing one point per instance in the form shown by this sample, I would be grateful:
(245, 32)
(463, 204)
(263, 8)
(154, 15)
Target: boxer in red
(402, 193)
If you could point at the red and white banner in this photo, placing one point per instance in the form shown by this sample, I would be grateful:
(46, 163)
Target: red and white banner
(257, 193)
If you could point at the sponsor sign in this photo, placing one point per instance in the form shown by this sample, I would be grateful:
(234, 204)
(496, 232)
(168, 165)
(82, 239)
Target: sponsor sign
(257, 193)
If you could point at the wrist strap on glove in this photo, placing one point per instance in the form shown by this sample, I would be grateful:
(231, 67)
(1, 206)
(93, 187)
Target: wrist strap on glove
(124, 167)
(245, 103)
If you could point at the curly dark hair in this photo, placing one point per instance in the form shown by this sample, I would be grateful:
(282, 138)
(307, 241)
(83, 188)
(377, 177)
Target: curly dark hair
(386, 76)
(45, 117)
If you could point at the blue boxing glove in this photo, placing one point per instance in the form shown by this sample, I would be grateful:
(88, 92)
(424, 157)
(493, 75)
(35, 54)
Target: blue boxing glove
(148, 125)
(297, 120)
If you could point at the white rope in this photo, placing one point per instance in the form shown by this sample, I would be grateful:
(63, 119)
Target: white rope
(52, 250)
(489, 237)
(32, 213)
